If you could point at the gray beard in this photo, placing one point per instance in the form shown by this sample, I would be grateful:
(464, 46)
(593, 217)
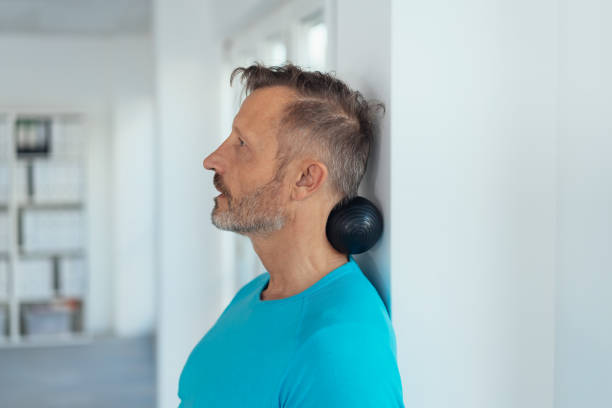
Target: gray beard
(251, 214)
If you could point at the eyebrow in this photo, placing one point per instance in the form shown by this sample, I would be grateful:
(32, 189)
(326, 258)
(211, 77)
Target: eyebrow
(242, 135)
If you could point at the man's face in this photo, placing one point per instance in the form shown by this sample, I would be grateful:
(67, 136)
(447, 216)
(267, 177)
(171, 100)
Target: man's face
(253, 194)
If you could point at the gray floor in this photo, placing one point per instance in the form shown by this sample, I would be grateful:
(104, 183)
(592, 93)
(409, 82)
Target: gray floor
(105, 373)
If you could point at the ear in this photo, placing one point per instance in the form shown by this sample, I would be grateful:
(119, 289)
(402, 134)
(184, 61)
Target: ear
(311, 176)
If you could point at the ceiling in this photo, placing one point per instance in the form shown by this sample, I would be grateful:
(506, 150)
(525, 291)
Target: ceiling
(105, 17)
(231, 15)
(95, 17)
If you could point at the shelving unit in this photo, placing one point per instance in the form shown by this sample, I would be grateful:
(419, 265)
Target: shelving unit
(43, 261)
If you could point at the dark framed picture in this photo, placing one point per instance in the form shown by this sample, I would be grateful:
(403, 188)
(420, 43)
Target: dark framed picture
(33, 136)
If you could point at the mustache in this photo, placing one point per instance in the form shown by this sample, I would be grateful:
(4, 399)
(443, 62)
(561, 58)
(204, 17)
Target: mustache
(219, 185)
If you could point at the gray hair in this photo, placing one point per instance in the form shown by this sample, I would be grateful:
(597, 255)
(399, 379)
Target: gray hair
(327, 119)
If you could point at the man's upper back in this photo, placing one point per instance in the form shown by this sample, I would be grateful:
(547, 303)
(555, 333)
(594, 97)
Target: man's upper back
(331, 345)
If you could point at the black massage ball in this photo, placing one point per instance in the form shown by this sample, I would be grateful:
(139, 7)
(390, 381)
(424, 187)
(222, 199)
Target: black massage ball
(354, 227)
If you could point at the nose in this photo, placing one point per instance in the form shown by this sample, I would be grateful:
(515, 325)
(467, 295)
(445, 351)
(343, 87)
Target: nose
(211, 162)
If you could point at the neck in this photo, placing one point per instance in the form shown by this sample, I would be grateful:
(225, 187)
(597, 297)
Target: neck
(296, 257)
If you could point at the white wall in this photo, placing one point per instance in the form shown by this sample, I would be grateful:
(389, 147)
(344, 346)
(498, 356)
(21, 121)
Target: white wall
(100, 76)
(480, 172)
(367, 68)
(132, 181)
(473, 125)
(583, 359)
(187, 82)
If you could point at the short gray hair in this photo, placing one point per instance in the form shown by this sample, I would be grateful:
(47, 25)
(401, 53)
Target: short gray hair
(327, 119)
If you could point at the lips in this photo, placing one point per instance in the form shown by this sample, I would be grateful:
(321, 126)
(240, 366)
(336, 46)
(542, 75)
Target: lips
(223, 194)
(217, 184)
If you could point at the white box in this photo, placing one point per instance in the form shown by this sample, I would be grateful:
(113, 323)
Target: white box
(72, 277)
(52, 230)
(35, 279)
(47, 320)
(58, 181)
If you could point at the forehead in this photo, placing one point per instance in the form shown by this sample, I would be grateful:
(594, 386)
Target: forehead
(261, 111)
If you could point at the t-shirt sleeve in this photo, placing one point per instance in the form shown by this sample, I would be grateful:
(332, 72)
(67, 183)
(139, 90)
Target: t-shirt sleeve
(346, 365)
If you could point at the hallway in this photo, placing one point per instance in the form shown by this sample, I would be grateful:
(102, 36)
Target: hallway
(108, 372)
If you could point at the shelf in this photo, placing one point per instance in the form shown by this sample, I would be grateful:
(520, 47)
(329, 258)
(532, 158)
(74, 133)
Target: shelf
(54, 298)
(47, 340)
(51, 205)
(43, 178)
(77, 253)
(36, 299)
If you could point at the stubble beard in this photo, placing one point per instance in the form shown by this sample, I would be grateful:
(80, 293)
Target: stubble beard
(259, 212)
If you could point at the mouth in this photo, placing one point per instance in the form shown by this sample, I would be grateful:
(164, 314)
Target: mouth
(219, 190)
(217, 184)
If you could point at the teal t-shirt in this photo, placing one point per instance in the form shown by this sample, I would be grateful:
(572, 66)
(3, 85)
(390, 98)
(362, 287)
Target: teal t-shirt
(331, 345)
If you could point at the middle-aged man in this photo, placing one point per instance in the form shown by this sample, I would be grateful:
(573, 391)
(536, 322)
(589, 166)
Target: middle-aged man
(311, 331)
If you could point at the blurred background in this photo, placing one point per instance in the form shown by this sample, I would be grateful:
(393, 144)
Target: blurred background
(492, 168)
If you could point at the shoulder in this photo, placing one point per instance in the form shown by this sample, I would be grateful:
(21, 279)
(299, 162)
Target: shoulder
(347, 364)
(346, 340)
(348, 304)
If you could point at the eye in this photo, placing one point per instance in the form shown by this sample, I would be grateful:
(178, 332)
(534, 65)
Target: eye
(242, 142)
